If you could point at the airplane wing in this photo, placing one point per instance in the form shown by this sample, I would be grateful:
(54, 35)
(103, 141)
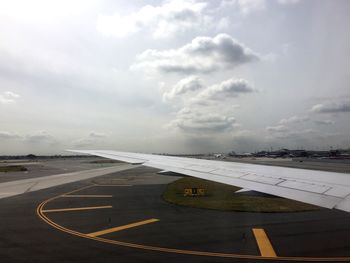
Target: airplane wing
(325, 189)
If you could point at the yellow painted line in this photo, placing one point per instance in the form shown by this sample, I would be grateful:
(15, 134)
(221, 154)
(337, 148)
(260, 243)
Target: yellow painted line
(46, 219)
(264, 244)
(76, 209)
(97, 196)
(119, 228)
(104, 185)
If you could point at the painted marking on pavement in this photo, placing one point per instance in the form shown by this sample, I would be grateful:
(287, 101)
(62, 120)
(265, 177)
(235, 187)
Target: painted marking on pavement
(119, 228)
(83, 196)
(264, 244)
(125, 185)
(76, 209)
(47, 220)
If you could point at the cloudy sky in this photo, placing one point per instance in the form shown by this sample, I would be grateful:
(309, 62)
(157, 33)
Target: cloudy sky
(179, 76)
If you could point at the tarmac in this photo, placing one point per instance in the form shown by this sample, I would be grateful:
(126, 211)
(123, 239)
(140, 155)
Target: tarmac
(121, 217)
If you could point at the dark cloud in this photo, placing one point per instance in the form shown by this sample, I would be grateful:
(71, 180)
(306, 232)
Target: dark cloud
(202, 55)
(332, 107)
(227, 89)
(184, 86)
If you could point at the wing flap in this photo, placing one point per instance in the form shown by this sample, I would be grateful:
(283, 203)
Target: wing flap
(344, 204)
(338, 191)
(262, 179)
(305, 186)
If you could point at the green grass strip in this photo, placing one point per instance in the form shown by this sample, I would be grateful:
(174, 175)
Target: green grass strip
(223, 197)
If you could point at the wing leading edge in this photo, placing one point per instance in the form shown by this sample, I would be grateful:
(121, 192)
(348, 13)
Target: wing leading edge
(325, 189)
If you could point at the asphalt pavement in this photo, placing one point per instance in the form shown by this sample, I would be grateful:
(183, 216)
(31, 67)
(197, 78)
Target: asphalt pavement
(122, 218)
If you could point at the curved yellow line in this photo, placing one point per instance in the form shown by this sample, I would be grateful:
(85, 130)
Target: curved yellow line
(41, 214)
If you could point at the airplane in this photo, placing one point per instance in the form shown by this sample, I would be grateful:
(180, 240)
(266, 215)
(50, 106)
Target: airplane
(219, 155)
(325, 189)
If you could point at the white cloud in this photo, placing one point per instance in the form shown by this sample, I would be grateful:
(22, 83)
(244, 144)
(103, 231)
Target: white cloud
(11, 94)
(40, 137)
(294, 119)
(200, 113)
(192, 121)
(245, 6)
(324, 122)
(186, 85)
(227, 89)
(164, 20)
(83, 142)
(223, 23)
(92, 139)
(224, 90)
(297, 134)
(284, 2)
(278, 128)
(283, 132)
(202, 55)
(41, 10)
(8, 135)
(243, 133)
(332, 107)
(32, 137)
(8, 97)
(4, 100)
(97, 135)
(248, 6)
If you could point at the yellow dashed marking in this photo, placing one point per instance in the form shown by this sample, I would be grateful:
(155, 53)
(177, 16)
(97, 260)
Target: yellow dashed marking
(97, 196)
(264, 244)
(76, 209)
(119, 228)
(113, 185)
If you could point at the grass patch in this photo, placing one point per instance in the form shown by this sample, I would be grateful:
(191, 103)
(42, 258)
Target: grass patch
(222, 197)
(12, 168)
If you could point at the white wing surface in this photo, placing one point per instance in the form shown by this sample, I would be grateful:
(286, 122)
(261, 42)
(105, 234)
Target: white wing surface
(325, 189)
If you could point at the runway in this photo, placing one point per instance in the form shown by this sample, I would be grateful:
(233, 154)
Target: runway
(16, 187)
(122, 218)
